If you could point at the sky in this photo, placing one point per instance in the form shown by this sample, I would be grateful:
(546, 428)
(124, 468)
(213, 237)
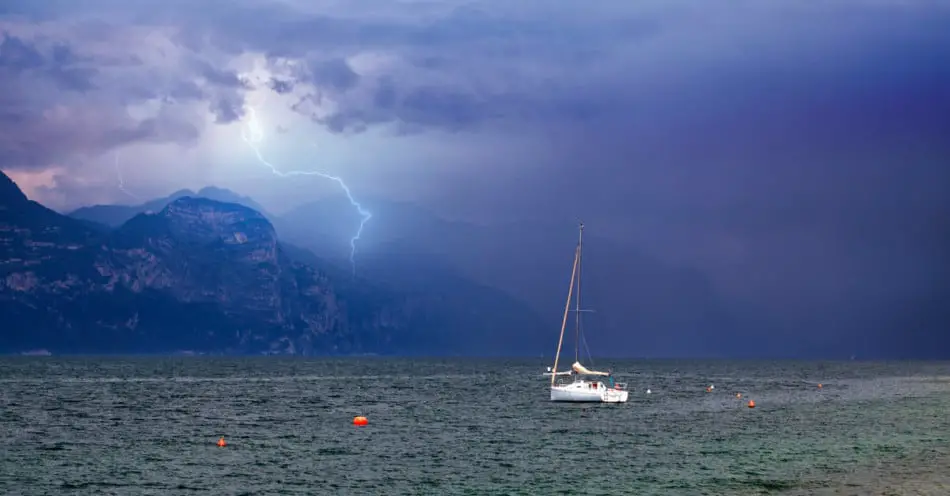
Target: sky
(797, 152)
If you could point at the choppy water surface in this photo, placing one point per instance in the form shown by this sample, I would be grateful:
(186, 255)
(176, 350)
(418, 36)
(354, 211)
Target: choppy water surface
(149, 426)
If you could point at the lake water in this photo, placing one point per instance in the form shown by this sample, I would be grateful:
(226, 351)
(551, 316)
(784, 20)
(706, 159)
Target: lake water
(464, 426)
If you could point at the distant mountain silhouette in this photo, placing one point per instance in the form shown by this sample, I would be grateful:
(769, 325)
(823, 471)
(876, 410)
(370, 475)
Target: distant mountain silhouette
(116, 215)
(642, 305)
(482, 277)
(208, 276)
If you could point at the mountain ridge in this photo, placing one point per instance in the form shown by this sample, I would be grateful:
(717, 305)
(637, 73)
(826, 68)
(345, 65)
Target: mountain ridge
(644, 307)
(114, 216)
(642, 304)
(209, 276)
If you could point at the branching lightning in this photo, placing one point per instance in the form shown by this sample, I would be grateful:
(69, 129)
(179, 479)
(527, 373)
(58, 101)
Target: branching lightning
(253, 135)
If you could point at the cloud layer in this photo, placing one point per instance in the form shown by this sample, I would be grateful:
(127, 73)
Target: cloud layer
(771, 143)
(86, 79)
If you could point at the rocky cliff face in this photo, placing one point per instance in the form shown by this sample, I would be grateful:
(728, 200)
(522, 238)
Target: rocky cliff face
(203, 253)
(198, 275)
(209, 276)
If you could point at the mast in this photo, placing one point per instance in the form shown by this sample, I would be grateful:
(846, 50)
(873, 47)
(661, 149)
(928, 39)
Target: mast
(567, 307)
(577, 299)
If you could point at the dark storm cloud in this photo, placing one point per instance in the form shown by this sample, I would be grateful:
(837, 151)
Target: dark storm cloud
(335, 73)
(465, 65)
(456, 65)
(220, 77)
(18, 56)
(34, 130)
(59, 64)
(796, 151)
(227, 110)
(280, 86)
(645, 79)
(66, 85)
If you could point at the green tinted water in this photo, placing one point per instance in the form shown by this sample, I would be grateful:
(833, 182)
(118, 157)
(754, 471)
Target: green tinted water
(149, 426)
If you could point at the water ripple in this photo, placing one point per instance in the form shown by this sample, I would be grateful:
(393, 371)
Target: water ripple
(149, 426)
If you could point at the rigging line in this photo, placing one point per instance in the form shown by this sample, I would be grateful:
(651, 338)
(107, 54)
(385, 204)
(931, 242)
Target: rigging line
(580, 338)
(577, 305)
(589, 356)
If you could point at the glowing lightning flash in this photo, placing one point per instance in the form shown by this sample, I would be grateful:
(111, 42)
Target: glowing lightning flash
(255, 134)
(118, 173)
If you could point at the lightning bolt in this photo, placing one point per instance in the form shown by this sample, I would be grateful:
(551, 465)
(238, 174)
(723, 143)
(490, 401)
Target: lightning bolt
(118, 173)
(254, 135)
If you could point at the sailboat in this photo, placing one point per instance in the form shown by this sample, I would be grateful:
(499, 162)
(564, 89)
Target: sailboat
(584, 387)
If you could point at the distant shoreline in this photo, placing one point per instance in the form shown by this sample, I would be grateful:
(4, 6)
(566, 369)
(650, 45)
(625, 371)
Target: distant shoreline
(43, 353)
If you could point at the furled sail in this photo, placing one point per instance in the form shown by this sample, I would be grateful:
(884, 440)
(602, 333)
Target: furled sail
(551, 372)
(580, 369)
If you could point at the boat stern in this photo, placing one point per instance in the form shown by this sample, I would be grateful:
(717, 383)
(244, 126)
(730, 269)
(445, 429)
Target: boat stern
(616, 396)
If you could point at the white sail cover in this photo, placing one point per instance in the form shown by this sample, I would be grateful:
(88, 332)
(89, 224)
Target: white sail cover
(580, 369)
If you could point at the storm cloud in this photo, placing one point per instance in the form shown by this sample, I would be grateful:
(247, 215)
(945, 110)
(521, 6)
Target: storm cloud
(796, 152)
(460, 65)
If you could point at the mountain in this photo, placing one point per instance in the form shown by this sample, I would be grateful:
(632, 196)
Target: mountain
(642, 305)
(483, 320)
(116, 215)
(209, 276)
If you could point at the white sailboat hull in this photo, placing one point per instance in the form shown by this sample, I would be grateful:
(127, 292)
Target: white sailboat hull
(584, 392)
(581, 389)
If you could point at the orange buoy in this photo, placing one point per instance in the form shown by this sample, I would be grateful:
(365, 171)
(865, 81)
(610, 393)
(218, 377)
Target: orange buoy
(819, 385)
(360, 420)
(751, 404)
(221, 442)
